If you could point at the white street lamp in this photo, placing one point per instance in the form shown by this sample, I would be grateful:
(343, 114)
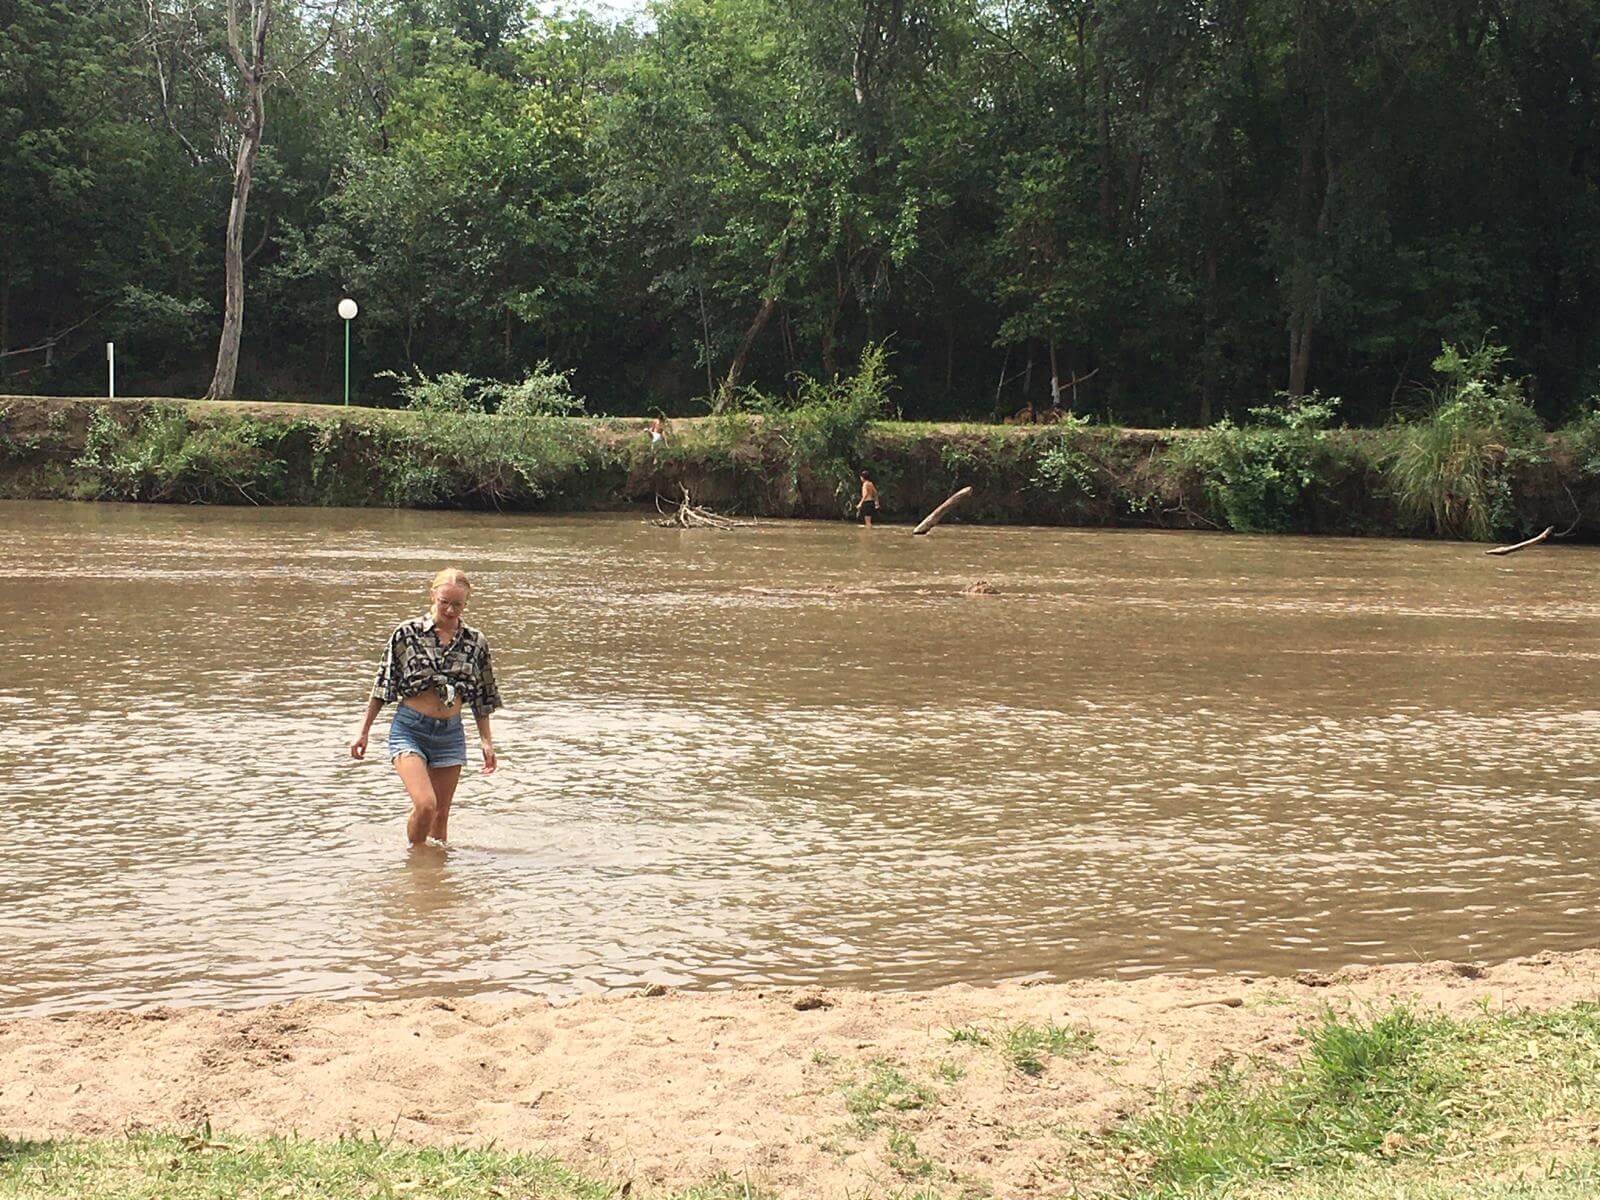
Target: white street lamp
(347, 310)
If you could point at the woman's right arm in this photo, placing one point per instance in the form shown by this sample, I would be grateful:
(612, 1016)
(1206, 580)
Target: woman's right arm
(384, 689)
(358, 747)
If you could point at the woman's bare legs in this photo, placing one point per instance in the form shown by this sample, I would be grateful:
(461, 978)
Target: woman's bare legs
(414, 773)
(444, 780)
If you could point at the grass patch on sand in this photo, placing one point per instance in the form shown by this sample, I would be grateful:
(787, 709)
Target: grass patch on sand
(1026, 1046)
(202, 1165)
(883, 1094)
(181, 1167)
(1396, 1105)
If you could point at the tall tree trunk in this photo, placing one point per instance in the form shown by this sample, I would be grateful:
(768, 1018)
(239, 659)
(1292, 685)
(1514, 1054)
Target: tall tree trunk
(5, 317)
(1208, 360)
(949, 356)
(1300, 353)
(705, 342)
(1105, 144)
(1311, 226)
(1055, 377)
(252, 76)
(736, 368)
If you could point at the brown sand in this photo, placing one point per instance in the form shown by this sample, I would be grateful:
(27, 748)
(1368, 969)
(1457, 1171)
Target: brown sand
(669, 1090)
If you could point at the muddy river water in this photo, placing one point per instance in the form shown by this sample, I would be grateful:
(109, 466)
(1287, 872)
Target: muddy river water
(790, 754)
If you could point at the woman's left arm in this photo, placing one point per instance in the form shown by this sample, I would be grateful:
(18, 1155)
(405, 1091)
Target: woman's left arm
(486, 741)
(487, 701)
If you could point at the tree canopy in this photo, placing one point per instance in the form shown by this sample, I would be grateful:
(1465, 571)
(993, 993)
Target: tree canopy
(1179, 206)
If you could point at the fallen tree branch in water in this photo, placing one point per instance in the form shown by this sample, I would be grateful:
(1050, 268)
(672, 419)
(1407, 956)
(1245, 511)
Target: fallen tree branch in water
(691, 516)
(1533, 541)
(933, 518)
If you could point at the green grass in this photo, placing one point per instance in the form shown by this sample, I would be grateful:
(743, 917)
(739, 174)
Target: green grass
(181, 1167)
(1398, 1106)
(907, 1161)
(884, 1093)
(1026, 1046)
(1387, 1105)
(201, 1165)
(800, 458)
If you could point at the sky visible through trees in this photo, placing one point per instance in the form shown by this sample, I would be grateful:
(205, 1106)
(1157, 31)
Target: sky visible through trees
(1184, 206)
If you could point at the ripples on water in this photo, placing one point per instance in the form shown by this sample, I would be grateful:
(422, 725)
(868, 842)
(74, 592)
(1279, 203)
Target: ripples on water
(789, 754)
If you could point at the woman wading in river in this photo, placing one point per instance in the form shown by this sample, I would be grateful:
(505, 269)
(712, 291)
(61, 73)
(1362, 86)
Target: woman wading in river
(434, 665)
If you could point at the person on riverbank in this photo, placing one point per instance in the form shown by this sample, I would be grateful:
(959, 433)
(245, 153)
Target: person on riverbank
(433, 667)
(867, 506)
(658, 431)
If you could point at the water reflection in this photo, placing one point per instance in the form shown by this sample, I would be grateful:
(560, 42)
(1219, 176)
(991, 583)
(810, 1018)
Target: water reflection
(793, 754)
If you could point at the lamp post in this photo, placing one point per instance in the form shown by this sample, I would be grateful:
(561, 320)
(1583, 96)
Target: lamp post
(347, 310)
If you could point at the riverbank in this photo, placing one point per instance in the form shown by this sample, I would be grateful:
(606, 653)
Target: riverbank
(1278, 480)
(1397, 1081)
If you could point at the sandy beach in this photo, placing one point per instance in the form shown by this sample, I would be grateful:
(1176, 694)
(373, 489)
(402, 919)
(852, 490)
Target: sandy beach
(793, 1090)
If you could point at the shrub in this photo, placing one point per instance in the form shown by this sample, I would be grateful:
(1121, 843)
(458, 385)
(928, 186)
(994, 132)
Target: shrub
(452, 392)
(162, 456)
(543, 392)
(1257, 475)
(1582, 437)
(1061, 465)
(821, 424)
(1451, 468)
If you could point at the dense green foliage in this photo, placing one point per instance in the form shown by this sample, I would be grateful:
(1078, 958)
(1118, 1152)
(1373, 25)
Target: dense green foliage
(1452, 468)
(1258, 475)
(795, 457)
(1177, 210)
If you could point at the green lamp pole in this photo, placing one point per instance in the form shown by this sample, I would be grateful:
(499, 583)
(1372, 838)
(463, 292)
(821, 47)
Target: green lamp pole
(347, 310)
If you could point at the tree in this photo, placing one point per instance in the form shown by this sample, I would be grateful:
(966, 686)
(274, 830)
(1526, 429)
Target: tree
(252, 72)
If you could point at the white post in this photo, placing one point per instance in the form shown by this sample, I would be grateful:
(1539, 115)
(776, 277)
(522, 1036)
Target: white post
(111, 370)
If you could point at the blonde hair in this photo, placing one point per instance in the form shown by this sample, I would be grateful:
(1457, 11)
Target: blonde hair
(448, 576)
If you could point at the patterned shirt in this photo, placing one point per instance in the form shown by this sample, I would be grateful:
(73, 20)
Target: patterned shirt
(416, 661)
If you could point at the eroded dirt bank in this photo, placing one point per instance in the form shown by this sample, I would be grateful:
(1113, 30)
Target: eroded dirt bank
(800, 1092)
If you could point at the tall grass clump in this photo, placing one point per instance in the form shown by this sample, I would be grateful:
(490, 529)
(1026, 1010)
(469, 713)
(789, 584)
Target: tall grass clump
(1451, 467)
(1257, 476)
(1362, 1088)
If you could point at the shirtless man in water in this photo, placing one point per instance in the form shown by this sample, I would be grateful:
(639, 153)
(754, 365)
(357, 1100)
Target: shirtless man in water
(867, 506)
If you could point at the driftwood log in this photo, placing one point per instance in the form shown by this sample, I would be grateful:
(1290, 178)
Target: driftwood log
(937, 515)
(689, 515)
(1533, 541)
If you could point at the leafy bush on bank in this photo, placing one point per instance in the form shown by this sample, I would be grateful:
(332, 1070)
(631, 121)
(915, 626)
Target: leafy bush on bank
(1258, 476)
(1452, 469)
(434, 457)
(160, 455)
(1581, 438)
(1284, 470)
(821, 425)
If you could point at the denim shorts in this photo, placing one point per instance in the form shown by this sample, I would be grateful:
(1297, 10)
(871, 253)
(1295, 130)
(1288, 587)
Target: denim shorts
(438, 743)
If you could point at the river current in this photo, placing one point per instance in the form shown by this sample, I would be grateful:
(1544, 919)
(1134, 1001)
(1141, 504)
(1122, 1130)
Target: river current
(798, 753)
